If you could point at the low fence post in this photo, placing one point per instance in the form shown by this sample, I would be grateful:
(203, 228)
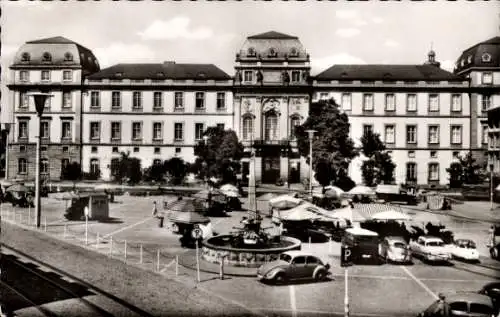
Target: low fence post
(158, 260)
(29, 215)
(125, 251)
(176, 265)
(111, 246)
(140, 254)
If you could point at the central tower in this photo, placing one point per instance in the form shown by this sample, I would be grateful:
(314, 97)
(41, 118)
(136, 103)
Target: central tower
(271, 96)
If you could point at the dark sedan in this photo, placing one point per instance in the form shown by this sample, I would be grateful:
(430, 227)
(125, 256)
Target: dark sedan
(464, 304)
(492, 290)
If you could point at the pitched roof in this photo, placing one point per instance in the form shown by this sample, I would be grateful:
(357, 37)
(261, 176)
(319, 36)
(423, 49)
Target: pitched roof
(52, 40)
(386, 72)
(272, 35)
(162, 71)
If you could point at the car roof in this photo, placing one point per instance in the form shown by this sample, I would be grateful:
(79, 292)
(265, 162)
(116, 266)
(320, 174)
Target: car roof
(294, 253)
(463, 240)
(395, 239)
(361, 232)
(470, 298)
(431, 238)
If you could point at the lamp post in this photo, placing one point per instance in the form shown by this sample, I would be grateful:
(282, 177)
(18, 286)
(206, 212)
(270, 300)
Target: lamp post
(205, 142)
(40, 99)
(311, 134)
(491, 186)
(7, 128)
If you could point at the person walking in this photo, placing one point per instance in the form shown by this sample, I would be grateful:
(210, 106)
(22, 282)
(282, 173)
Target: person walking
(442, 308)
(157, 215)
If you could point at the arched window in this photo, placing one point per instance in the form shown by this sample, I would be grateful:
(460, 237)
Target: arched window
(47, 57)
(94, 167)
(294, 122)
(22, 166)
(251, 51)
(156, 162)
(272, 52)
(271, 126)
(294, 52)
(115, 165)
(68, 57)
(486, 58)
(247, 128)
(25, 57)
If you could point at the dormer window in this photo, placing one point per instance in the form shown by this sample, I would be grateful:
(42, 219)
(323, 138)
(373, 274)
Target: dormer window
(462, 63)
(47, 57)
(294, 52)
(343, 75)
(469, 59)
(486, 58)
(119, 75)
(68, 57)
(251, 51)
(160, 74)
(90, 60)
(25, 57)
(201, 75)
(272, 52)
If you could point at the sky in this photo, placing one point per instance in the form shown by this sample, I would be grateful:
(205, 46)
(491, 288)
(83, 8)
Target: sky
(338, 32)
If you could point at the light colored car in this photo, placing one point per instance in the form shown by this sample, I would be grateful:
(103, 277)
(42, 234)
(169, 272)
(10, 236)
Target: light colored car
(465, 304)
(464, 249)
(293, 265)
(395, 249)
(430, 248)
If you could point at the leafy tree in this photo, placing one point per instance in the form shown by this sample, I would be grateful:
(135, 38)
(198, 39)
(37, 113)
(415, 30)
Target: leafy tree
(333, 149)
(129, 169)
(465, 171)
(72, 172)
(155, 172)
(219, 156)
(378, 167)
(177, 169)
(456, 172)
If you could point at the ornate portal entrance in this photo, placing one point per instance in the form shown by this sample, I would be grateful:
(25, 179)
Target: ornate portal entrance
(270, 169)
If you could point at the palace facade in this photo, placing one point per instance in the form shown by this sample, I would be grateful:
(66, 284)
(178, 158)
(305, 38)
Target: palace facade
(425, 115)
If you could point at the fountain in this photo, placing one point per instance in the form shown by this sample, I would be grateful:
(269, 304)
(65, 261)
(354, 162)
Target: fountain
(250, 245)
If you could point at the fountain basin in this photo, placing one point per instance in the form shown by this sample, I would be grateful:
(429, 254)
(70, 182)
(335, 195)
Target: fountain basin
(219, 247)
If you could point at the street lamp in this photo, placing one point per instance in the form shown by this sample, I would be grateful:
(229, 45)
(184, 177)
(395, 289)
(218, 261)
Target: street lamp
(311, 134)
(7, 128)
(491, 186)
(40, 99)
(205, 163)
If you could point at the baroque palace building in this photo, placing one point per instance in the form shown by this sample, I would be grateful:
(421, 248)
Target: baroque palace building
(425, 115)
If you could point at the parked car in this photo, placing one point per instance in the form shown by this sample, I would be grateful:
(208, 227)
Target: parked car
(464, 249)
(464, 304)
(430, 248)
(293, 265)
(492, 290)
(495, 251)
(395, 249)
(21, 199)
(363, 243)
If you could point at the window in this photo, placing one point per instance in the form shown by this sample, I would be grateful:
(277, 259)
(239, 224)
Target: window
(271, 126)
(46, 107)
(115, 166)
(248, 76)
(272, 52)
(22, 166)
(178, 131)
(198, 131)
(68, 57)
(25, 57)
(116, 130)
(157, 150)
(116, 100)
(66, 99)
(44, 166)
(433, 154)
(484, 134)
(455, 154)
(312, 260)
(487, 79)
(481, 309)
(247, 128)
(433, 171)
(295, 76)
(434, 102)
(411, 172)
(456, 134)
(46, 57)
(44, 130)
(43, 149)
(67, 75)
(23, 100)
(200, 100)
(323, 96)
(411, 102)
(45, 75)
(486, 58)
(23, 129)
(368, 102)
(95, 130)
(299, 260)
(251, 51)
(221, 100)
(367, 129)
(390, 134)
(157, 131)
(136, 100)
(460, 307)
(177, 150)
(486, 102)
(411, 154)
(66, 130)
(179, 100)
(24, 75)
(95, 99)
(64, 163)
(433, 134)
(93, 149)
(94, 167)
(136, 130)
(390, 102)
(115, 149)
(294, 122)
(346, 101)
(157, 161)
(411, 134)
(221, 126)
(157, 100)
(136, 149)
(456, 103)
(294, 52)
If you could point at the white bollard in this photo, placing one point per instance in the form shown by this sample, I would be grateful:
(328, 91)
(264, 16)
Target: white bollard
(176, 265)
(111, 246)
(158, 260)
(140, 254)
(125, 251)
(29, 215)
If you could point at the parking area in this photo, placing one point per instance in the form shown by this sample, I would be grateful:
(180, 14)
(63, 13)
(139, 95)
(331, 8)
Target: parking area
(374, 290)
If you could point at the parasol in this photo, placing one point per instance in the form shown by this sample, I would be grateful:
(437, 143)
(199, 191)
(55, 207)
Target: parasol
(348, 213)
(105, 186)
(362, 190)
(391, 215)
(230, 190)
(188, 217)
(185, 205)
(214, 195)
(18, 188)
(333, 192)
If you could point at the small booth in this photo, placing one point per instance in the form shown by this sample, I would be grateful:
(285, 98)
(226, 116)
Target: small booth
(97, 204)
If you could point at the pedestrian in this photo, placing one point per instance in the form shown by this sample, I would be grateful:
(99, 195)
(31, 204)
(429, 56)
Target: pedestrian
(155, 210)
(442, 308)
(491, 236)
